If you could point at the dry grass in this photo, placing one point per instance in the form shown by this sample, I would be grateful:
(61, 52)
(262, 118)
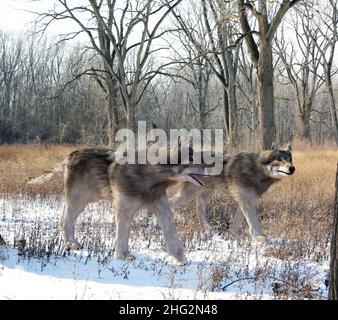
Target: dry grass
(306, 197)
(300, 208)
(297, 210)
(20, 162)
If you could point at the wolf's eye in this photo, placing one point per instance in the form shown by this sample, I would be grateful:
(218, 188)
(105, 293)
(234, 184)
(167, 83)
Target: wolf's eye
(279, 159)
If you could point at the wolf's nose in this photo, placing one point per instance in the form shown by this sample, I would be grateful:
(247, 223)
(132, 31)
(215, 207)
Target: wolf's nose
(292, 170)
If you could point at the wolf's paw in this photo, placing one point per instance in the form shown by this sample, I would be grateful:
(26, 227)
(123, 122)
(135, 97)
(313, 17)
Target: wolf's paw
(72, 245)
(181, 262)
(130, 257)
(125, 256)
(262, 239)
(180, 259)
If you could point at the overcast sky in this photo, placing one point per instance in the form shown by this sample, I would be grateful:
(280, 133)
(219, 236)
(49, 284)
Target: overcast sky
(14, 15)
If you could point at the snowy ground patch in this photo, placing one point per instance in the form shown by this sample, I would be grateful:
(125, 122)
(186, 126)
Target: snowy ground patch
(32, 265)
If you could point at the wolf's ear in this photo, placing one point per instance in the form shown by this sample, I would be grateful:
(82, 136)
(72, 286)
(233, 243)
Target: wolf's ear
(274, 146)
(289, 147)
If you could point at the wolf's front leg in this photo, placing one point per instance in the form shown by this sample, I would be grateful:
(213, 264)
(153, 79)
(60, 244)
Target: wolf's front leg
(165, 220)
(125, 210)
(237, 222)
(255, 230)
(246, 199)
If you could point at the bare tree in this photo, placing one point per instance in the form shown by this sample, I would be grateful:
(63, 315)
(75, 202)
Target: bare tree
(301, 61)
(199, 77)
(247, 91)
(325, 36)
(34, 102)
(211, 34)
(11, 48)
(260, 53)
(122, 35)
(202, 74)
(194, 64)
(225, 62)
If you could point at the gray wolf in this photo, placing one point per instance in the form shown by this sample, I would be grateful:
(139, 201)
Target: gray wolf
(247, 175)
(93, 174)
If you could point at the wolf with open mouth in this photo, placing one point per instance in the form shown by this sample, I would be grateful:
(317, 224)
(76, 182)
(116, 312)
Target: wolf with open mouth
(93, 174)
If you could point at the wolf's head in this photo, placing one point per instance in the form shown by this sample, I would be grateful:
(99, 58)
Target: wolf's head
(278, 162)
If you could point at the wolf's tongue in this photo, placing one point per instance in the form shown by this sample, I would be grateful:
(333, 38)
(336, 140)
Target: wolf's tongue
(197, 178)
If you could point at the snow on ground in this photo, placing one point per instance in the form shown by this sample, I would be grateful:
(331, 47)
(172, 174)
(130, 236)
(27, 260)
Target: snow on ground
(218, 268)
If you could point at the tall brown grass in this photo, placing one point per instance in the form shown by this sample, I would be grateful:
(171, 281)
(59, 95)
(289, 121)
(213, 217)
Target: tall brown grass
(301, 207)
(298, 210)
(298, 207)
(18, 163)
(306, 196)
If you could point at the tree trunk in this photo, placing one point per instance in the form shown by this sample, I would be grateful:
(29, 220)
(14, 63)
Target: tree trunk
(333, 283)
(203, 120)
(305, 124)
(265, 91)
(111, 110)
(232, 109)
(332, 107)
(202, 107)
(131, 116)
(227, 117)
(254, 121)
(202, 95)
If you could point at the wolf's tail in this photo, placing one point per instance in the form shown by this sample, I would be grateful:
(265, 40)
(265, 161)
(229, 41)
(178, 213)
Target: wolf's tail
(50, 175)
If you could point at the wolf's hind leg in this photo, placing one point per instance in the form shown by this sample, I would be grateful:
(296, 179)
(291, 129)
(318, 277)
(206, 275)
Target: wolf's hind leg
(71, 211)
(165, 220)
(125, 210)
(201, 210)
(237, 222)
